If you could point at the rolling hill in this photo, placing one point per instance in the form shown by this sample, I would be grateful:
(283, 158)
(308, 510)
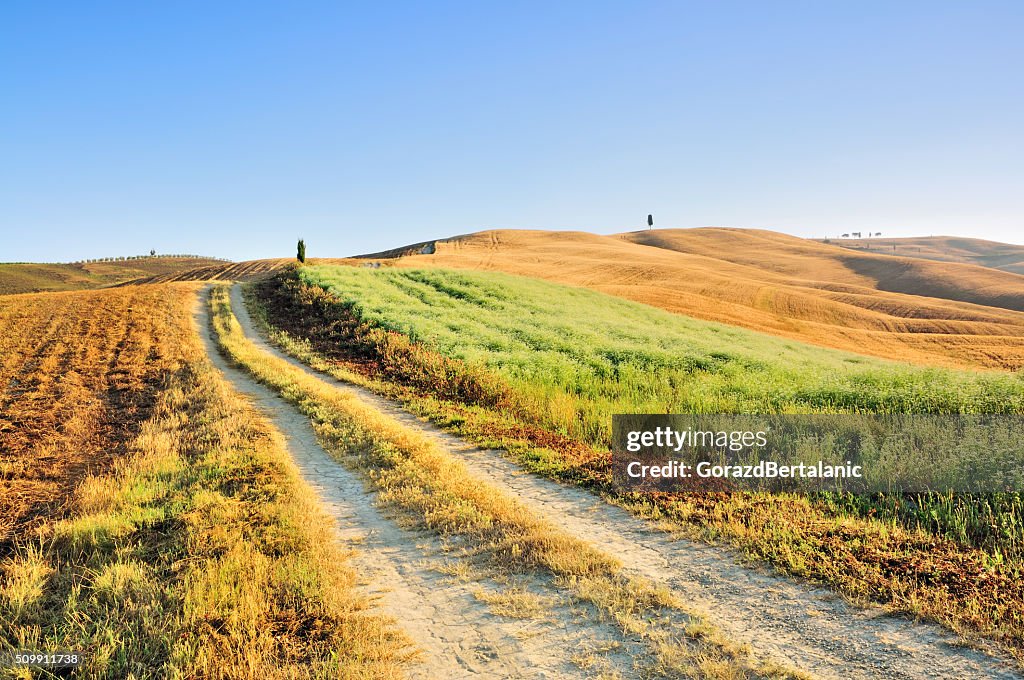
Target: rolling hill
(908, 309)
(901, 308)
(1005, 256)
(809, 261)
(36, 278)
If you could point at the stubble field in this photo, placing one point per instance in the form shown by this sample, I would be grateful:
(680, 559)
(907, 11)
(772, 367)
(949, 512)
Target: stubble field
(150, 520)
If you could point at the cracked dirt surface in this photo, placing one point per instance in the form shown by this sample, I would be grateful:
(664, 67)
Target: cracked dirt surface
(797, 624)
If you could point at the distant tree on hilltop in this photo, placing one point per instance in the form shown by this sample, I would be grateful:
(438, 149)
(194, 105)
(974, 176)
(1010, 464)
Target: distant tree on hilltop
(650, 221)
(301, 254)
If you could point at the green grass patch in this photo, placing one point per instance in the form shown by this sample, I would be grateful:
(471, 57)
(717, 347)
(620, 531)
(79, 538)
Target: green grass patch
(577, 356)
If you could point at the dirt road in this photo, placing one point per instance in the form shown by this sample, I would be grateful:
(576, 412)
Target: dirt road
(457, 633)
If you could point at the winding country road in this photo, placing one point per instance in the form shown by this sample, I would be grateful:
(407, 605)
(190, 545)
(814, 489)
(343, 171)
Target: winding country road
(456, 632)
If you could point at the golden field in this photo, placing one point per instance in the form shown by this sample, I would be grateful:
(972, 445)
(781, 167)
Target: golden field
(937, 313)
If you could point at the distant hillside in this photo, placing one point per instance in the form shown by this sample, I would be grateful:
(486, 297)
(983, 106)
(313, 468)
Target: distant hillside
(900, 308)
(34, 278)
(233, 271)
(1005, 256)
(814, 261)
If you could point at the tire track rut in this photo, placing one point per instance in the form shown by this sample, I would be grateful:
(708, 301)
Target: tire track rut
(457, 633)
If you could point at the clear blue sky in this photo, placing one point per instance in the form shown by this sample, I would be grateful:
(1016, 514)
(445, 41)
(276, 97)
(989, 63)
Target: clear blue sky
(232, 129)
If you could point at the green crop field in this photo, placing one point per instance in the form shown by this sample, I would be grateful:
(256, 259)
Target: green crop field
(580, 356)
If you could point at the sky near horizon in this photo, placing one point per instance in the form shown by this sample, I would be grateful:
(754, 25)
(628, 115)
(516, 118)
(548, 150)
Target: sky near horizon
(233, 128)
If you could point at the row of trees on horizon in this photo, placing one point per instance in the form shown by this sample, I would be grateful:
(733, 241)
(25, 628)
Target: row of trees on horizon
(152, 254)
